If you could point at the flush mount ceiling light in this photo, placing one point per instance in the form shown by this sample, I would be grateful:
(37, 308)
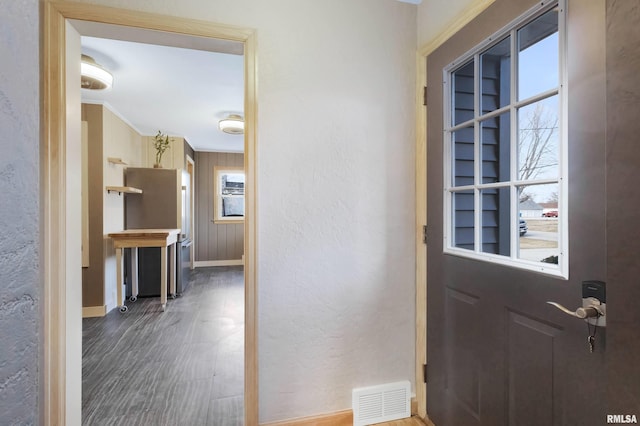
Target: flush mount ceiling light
(93, 76)
(233, 124)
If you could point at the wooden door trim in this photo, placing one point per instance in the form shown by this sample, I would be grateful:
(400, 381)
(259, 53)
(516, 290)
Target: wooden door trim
(474, 9)
(191, 169)
(53, 192)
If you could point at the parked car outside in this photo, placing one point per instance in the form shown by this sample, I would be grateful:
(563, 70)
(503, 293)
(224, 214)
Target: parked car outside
(550, 213)
(523, 227)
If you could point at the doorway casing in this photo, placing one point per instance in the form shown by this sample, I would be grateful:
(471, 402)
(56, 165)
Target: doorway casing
(55, 171)
(472, 10)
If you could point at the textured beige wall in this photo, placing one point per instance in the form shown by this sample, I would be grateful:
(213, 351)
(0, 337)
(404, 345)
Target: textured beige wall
(336, 84)
(21, 289)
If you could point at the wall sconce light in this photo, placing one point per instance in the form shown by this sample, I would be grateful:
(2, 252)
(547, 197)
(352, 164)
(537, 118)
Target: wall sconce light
(233, 124)
(93, 76)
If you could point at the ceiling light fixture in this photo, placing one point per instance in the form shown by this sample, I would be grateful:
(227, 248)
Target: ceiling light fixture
(233, 124)
(93, 76)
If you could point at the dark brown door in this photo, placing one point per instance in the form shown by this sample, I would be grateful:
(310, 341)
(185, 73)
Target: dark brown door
(498, 354)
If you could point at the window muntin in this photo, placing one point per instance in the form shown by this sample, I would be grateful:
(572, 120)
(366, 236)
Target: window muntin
(504, 146)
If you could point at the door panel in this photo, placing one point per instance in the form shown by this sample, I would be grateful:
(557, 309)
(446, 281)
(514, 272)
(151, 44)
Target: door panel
(463, 368)
(530, 357)
(497, 353)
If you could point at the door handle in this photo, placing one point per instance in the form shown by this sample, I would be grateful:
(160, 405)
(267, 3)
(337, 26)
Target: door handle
(592, 311)
(594, 306)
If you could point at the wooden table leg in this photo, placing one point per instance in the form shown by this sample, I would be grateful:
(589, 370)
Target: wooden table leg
(172, 270)
(163, 277)
(119, 280)
(134, 274)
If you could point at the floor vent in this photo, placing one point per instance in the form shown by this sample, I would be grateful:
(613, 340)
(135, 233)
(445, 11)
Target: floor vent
(382, 403)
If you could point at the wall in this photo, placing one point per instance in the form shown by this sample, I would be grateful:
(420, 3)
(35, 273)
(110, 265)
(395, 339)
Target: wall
(92, 276)
(335, 193)
(109, 136)
(20, 292)
(188, 151)
(172, 158)
(623, 193)
(120, 141)
(214, 241)
(436, 16)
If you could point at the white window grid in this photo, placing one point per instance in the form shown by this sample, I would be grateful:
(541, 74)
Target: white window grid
(562, 268)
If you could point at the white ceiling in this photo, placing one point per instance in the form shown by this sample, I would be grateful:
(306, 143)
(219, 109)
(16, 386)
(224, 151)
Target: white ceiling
(179, 91)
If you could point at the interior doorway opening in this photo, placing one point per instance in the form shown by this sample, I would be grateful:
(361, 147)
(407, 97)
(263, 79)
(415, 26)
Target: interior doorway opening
(61, 203)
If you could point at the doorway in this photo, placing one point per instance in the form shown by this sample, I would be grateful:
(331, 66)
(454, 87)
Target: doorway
(61, 204)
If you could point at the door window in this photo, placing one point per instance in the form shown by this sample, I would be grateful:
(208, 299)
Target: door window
(505, 146)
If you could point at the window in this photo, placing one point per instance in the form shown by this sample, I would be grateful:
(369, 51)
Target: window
(505, 147)
(229, 197)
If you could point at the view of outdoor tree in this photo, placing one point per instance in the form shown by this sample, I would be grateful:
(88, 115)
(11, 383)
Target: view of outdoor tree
(537, 145)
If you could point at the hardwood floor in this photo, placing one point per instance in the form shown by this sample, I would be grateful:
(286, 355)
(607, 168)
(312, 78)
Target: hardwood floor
(181, 367)
(184, 366)
(411, 421)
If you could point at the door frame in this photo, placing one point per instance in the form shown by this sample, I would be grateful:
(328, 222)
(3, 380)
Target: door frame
(56, 377)
(191, 169)
(468, 14)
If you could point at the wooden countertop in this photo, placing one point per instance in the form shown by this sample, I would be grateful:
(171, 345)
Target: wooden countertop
(144, 237)
(132, 233)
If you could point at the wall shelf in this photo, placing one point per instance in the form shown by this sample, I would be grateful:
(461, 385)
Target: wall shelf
(114, 160)
(123, 189)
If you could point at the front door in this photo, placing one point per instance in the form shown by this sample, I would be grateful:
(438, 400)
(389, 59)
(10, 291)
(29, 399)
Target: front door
(498, 354)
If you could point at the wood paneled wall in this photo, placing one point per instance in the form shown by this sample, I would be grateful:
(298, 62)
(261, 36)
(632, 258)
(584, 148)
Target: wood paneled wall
(214, 241)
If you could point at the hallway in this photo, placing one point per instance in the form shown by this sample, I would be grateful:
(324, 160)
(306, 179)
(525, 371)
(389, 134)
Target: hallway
(181, 367)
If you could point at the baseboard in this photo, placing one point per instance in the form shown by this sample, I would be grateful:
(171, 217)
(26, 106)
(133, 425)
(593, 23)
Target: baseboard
(94, 311)
(206, 263)
(340, 418)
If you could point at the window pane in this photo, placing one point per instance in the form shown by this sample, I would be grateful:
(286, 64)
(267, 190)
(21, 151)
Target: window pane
(463, 157)
(538, 208)
(538, 56)
(463, 220)
(496, 76)
(495, 136)
(538, 140)
(463, 94)
(496, 221)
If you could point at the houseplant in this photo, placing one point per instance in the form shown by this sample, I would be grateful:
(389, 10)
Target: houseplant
(161, 144)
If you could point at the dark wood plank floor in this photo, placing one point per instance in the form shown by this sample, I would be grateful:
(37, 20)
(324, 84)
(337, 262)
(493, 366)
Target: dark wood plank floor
(184, 366)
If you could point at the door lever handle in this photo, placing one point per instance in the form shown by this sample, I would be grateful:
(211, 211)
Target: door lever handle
(582, 312)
